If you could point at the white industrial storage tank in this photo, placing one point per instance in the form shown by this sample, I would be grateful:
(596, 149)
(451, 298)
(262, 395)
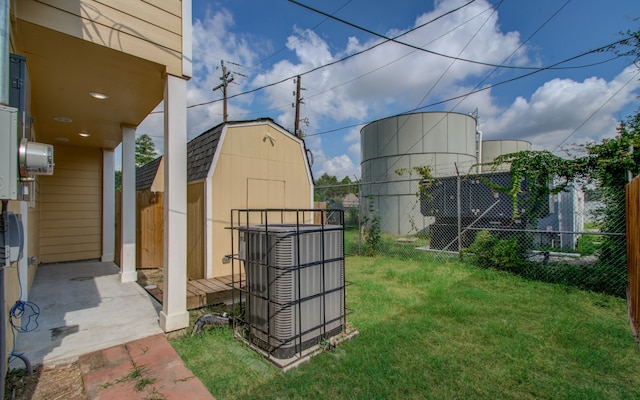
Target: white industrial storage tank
(491, 149)
(440, 140)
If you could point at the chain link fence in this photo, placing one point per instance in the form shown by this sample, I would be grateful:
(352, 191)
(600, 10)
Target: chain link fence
(575, 237)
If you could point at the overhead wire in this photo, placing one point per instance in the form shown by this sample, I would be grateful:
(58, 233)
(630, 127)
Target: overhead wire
(394, 39)
(477, 90)
(311, 29)
(364, 51)
(400, 58)
(328, 64)
(479, 84)
(494, 10)
(494, 69)
(595, 111)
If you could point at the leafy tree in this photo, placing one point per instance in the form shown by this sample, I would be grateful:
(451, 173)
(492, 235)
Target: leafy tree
(119, 180)
(328, 188)
(145, 150)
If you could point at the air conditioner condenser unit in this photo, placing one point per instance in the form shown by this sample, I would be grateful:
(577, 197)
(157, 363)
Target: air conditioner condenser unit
(295, 285)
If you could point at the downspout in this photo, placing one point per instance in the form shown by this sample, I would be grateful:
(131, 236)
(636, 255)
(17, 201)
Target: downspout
(5, 28)
(4, 360)
(478, 150)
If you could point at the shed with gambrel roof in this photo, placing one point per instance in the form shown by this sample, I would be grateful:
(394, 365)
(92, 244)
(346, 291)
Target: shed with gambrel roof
(236, 165)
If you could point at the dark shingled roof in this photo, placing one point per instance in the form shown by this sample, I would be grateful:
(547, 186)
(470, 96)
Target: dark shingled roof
(200, 152)
(146, 174)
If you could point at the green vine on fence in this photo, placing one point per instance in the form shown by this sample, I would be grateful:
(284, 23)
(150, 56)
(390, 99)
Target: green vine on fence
(424, 181)
(371, 230)
(607, 162)
(535, 173)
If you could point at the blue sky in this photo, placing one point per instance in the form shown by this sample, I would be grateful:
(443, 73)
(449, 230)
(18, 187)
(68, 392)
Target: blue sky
(262, 42)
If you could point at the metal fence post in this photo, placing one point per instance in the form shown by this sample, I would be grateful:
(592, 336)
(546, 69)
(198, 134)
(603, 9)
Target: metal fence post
(459, 204)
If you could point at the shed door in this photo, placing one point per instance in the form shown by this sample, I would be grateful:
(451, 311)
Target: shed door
(265, 193)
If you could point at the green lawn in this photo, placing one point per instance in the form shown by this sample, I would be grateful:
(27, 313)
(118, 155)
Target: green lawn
(444, 330)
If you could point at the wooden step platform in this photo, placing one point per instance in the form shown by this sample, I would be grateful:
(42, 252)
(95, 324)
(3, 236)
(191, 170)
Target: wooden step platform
(205, 292)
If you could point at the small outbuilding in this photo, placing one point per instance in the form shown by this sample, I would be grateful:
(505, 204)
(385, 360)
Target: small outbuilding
(237, 165)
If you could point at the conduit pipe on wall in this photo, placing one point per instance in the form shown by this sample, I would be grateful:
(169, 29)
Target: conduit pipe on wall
(4, 52)
(478, 150)
(4, 100)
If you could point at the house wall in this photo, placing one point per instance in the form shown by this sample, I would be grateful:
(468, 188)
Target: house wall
(118, 24)
(251, 172)
(71, 206)
(158, 181)
(11, 295)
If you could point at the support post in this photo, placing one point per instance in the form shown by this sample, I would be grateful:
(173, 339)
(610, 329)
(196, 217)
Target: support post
(108, 205)
(174, 315)
(459, 205)
(128, 216)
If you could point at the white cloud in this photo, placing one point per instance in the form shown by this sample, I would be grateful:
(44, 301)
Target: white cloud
(354, 150)
(213, 41)
(340, 167)
(560, 106)
(389, 79)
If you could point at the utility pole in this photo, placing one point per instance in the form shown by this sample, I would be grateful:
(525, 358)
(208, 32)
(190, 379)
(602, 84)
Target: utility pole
(226, 79)
(299, 100)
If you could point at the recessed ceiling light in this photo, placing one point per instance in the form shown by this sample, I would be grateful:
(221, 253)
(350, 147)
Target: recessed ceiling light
(98, 95)
(61, 139)
(84, 134)
(62, 119)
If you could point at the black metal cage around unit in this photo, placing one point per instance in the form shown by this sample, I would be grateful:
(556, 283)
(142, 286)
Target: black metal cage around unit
(294, 293)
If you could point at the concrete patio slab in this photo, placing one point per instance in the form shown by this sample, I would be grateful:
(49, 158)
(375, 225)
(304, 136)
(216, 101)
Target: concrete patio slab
(83, 308)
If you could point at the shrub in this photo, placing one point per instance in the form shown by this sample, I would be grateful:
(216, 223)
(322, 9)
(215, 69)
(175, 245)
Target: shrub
(487, 251)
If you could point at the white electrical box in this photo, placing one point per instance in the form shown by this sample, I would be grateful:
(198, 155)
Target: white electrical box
(8, 153)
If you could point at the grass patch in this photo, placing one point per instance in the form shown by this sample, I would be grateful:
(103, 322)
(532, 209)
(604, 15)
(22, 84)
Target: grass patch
(444, 330)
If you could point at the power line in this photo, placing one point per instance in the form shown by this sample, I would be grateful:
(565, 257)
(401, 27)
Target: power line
(596, 111)
(477, 90)
(552, 67)
(394, 39)
(312, 29)
(407, 54)
(494, 10)
(330, 63)
(514, 51)
(495, 69)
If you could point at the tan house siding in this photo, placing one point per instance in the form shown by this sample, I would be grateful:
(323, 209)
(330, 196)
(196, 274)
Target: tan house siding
(158, 181)
(250, 172)
(118, 24)
(71, 206)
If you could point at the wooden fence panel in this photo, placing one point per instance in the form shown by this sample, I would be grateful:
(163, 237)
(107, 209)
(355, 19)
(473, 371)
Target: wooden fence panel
(195, 230)
(118, 245)
(150, 229)
(633, 253)
(320, 217)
